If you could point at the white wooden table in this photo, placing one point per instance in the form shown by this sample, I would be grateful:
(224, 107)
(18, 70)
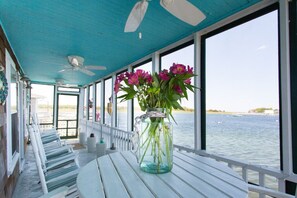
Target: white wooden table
(118, 175)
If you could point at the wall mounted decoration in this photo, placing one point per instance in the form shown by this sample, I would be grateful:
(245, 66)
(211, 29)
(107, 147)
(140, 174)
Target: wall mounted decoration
(3, 88)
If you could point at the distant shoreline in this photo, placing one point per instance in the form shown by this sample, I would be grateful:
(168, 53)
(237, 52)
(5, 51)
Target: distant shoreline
(227, 113)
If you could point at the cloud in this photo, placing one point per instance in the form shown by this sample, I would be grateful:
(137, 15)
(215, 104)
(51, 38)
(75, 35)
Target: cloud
(262, 47)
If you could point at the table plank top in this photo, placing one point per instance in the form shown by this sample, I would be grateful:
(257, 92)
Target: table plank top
(118, 175)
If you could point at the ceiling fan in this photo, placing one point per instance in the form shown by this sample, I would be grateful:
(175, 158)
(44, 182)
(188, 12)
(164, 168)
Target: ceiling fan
(61, 82)
(182, 9)
(77, 64)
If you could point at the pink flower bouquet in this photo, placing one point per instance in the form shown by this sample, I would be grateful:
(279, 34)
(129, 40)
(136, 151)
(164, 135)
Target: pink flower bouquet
(163, 90)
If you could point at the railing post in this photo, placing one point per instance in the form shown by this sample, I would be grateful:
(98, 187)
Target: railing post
(281, 185)
(67, 128)
(111, 136)
(244, 174)
(101, 133)
(261, 183)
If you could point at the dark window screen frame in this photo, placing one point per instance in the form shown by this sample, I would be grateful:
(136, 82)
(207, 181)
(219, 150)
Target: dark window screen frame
(271, 8)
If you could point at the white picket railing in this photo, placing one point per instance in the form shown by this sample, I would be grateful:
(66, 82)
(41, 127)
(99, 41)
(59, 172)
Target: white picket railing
(111, 135)
(262, 171)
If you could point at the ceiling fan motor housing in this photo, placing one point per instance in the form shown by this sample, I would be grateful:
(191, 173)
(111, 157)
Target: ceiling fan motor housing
(76, 61)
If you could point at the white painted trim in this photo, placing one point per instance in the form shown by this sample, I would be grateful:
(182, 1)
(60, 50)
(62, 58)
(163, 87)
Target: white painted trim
(55, 105)
(12, 158)
(114, 102)
(285, 87)
(156, 62)
(102, 102)
(68, 93)
(21, 116)
(197, 94)
(14, 161)
(130, 108)
(87, 101)
(81, 105)
(94, 103)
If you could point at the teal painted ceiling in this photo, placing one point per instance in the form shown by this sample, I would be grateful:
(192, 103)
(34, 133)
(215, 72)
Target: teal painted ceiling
(43, 33)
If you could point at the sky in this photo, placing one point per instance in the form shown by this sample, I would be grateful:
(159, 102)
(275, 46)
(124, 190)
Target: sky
(241, 67)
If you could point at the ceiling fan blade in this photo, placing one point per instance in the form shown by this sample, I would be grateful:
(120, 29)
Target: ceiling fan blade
(94, 67)
(136, 16)
(183, 10)
(66, 69)
(85, 71)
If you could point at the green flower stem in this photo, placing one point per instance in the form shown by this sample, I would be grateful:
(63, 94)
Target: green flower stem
(155, 130)
(151, 134)
(167, 138)
(150, 138)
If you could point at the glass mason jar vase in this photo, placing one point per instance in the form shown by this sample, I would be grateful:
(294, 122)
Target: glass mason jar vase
(155, 148)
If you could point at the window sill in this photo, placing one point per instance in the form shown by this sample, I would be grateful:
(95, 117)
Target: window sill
(14, 161)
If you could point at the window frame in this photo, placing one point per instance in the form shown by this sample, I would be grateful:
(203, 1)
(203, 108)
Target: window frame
(12, 158)
(95, 102)
(254, 15)
(54, 94)
(90, 89)
(104, 94)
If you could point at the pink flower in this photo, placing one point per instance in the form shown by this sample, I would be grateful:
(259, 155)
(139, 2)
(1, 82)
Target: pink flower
(164, 75)
(178, 68)
(121, 77)
(133, 79)
(177, 89)
(139, 73)
(117, 87)
(187, 81)
(148, 78)
(127, 74)
(190, 70)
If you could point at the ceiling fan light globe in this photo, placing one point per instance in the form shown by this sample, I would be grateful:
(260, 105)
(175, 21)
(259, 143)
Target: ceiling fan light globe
(74, 61)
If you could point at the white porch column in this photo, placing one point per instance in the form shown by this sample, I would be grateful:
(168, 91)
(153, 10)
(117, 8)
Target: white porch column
(285, 88)
(197, 95)
(130, 107)
(156, 62)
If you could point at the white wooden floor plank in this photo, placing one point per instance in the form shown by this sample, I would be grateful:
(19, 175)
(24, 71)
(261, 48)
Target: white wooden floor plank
(111, 179)
(133, 184)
